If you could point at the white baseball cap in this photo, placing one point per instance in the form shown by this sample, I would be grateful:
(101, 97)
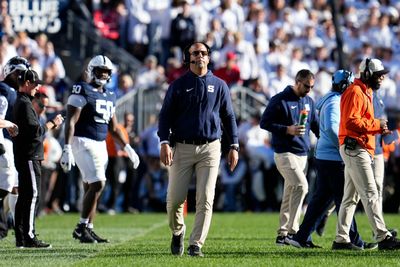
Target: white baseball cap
(374, 65)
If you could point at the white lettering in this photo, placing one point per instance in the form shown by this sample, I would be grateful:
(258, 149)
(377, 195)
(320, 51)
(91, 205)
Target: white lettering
(35, 15)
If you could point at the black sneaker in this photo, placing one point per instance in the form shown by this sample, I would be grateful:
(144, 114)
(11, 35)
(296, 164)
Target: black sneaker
(345, 246)
(177, 244)
(96, 237)
(389, 243)
(393, 232)
(307, 244)
(288, 238)
(195, 251)
(35, 243)
(370, 246)
(19, 244)
(82, 233)
(280, 240)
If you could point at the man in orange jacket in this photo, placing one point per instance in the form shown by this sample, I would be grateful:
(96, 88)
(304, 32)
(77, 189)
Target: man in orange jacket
(357, 144)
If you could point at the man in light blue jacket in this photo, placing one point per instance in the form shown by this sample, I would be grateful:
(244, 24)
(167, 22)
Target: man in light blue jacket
(330, 167)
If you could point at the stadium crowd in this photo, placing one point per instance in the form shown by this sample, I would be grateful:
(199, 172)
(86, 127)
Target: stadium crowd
(257, 44)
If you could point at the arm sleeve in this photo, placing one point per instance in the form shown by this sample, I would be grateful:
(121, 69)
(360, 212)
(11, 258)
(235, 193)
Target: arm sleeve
(228, 116)
(270, 117)
(332, 120)
(164, 121)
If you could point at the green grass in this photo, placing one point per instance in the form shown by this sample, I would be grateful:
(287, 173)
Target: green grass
(236, 239)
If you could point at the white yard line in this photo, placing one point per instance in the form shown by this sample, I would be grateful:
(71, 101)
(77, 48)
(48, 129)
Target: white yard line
(151, 228)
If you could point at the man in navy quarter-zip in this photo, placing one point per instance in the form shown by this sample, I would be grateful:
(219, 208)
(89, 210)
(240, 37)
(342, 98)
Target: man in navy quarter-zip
(195, 106)
(291, 143)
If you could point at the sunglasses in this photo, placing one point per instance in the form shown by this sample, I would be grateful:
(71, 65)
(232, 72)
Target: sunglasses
(196, 53)
(307, 86)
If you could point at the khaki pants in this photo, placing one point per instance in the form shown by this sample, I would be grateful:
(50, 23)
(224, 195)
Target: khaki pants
(293, 169)
(204, 161)
(379, 174)
(359, 182)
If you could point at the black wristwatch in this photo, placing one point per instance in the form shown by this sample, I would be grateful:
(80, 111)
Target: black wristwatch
(235, 148)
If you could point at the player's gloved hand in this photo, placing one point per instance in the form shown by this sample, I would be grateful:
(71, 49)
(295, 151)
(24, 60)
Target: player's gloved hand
(67, 158)
(132, 155)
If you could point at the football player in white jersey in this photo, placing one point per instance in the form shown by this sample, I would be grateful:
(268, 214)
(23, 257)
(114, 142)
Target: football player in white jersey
(90, 114)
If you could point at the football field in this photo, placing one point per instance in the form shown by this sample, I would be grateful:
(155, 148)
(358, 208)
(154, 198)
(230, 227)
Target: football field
(235, 239)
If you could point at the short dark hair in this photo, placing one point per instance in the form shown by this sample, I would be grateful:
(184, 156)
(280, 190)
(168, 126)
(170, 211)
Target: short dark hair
(304, 74)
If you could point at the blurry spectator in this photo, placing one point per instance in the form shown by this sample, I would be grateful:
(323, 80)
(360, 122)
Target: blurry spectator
(231, 15)
(174, 69)
(5, 20)
(50, 91)
(232, 183)
(41, 40)
(107, 18)
(49, 59)
(125, 85)
(277, 55)
(25, 44)
(216, 34)
(381, 34)
(278, 80)
(261, 159)
(297, 63)
(131, 186)
(183, 30)
(255, 28)
(156, 177)
(159, 11)
(201, 18)
(230, 72)
(137, 22)
(246, 57)
(114, 167)
(149, 75)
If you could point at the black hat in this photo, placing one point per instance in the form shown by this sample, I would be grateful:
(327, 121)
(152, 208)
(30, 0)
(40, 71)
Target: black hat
(29, 75)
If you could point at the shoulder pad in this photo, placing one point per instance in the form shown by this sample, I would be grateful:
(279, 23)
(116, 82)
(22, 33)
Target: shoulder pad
(80, 88)
(4, 89)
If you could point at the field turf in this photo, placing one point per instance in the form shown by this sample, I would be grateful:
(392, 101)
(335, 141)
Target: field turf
(235, 239)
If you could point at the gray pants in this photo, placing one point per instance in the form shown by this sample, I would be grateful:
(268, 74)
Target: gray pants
(203, 160)
(293, 169)
(359, 182)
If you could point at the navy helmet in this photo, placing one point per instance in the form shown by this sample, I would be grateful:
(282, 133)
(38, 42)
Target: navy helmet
(341, 79)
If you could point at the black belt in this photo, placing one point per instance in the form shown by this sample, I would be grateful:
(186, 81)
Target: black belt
(196, 142)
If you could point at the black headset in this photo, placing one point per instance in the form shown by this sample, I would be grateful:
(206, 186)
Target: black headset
(186, 54)
(344, 83)
(367, 72)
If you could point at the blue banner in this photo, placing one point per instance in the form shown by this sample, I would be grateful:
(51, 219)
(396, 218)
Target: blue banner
(36, 15)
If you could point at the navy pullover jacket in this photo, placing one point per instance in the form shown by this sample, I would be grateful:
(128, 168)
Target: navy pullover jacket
(194, 108)
(284, 110)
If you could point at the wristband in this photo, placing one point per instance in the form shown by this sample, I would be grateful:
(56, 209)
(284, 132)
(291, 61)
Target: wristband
(235, 148)
(54, 124)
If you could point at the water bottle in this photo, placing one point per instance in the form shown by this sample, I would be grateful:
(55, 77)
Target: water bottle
(303, 117)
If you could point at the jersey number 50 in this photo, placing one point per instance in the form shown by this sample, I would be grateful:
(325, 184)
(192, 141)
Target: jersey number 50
(105, 109)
